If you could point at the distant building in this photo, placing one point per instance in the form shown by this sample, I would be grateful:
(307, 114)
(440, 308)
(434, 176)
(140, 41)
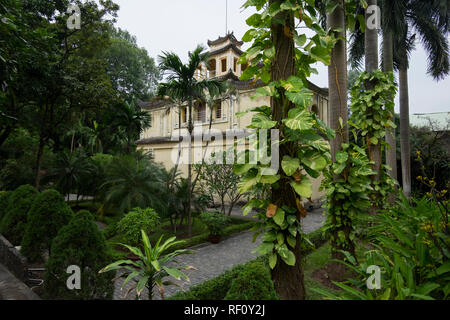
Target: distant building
(163, 136)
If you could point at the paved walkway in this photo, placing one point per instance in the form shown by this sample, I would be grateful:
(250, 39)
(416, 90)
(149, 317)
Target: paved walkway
(12, 288)
(211, 260)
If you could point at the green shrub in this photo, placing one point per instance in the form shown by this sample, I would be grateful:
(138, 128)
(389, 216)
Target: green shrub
(253, 283)
(216, 222)
(4, 202)
(129, 228)
(216, 288)
(48, 214)
(79, 243)
(213, 289)
(14, 222)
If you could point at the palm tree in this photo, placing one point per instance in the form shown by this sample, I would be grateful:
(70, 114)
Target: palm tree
(337, 82)
(337, 79)
(182, 85)
(69, 171)
(131, 121)
(430, 20)
(132, 182)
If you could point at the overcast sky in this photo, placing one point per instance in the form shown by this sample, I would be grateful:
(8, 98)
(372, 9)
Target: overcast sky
(179, 25)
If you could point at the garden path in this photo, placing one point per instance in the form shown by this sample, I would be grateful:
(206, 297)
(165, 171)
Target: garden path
(211, 260)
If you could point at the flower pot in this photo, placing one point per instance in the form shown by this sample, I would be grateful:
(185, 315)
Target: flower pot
(214, 239)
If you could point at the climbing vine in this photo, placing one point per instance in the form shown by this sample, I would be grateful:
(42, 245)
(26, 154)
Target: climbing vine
(348, 185)
(372, 111)
(303, 136)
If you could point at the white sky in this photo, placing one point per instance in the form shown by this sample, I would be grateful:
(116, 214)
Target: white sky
(179, 25)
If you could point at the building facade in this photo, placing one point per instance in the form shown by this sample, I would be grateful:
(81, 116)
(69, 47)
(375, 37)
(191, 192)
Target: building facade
(169, 121)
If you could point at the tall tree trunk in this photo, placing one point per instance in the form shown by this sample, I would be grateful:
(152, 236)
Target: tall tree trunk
(388, 66)
(175, 169)
(191, 130)
(404, 131)
(337, 82)
(288, 280)
(5, 133)
(39, 162)
(371, 52)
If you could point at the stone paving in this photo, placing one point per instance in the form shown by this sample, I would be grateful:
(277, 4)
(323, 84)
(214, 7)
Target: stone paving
(211, 260)
(12, 288)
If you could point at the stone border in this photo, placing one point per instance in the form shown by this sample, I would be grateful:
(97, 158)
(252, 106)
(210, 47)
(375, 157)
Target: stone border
(12, 259)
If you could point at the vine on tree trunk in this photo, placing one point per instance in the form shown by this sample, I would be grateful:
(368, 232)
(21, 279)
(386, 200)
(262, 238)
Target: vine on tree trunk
(304, 149)
(372, 111)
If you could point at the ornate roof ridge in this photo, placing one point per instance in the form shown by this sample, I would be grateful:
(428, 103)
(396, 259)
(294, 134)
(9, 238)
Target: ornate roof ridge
(230, 36)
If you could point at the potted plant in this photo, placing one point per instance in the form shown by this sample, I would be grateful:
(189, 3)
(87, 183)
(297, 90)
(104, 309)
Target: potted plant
(216, 223)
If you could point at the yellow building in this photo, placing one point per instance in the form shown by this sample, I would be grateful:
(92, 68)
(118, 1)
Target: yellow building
(169, 121)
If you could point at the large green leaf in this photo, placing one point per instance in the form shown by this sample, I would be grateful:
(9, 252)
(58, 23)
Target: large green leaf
(262, 121)
(279, 217)
(290, 165)
(303, 98)
(287, 255)
(303, 188)
(315, 161)
(299, 119)
(246, 184)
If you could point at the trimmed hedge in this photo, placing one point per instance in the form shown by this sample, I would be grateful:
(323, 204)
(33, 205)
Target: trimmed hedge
(253, 283)
(48, 214)
(213, 289)
(13, 224)
(79, 243)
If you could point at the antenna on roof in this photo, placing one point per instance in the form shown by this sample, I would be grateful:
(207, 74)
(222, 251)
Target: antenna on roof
(226, 17)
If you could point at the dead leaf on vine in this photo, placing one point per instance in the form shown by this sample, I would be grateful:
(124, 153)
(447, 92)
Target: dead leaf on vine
(297, 176)
(271, 210)
(300, 208)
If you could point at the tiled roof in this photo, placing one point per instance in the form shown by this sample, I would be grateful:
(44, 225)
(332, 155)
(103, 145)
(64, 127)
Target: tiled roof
(226, 48)
(153, 104)
(229, 36)
(175, 139)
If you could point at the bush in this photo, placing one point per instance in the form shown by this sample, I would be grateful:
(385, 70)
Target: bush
(129, 228)
(13, 224)
(79, 243)
(253, 283)
(216, 288)
(213, 289)
(411, 247)
(4, 202)
(216, 222)
(48, 214)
